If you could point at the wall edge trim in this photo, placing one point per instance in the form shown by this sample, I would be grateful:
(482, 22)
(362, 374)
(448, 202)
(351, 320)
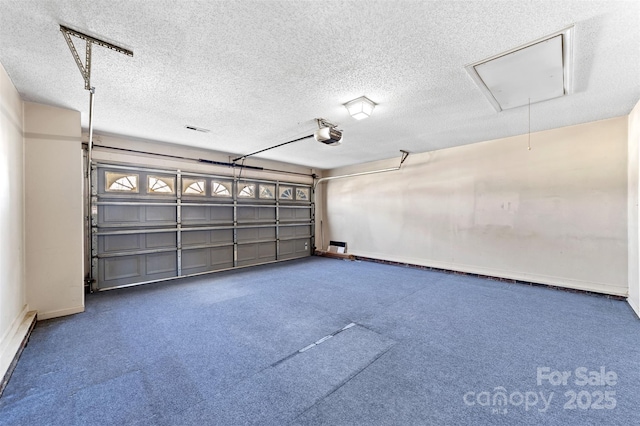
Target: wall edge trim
(493, 277)
(14, 344)
(634, 306)
(44, 136)
(60, 313)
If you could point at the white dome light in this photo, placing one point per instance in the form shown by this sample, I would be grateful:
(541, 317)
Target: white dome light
(360, 108)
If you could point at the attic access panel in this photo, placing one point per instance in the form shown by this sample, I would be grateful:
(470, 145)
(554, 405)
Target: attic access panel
(535, 72)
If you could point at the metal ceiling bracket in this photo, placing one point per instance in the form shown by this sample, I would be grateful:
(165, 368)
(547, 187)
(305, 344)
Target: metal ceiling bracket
(85, 69)
(324, 123)
(405, 154)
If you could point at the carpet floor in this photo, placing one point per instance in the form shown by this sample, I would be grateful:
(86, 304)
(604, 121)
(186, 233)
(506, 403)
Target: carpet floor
(320, 341)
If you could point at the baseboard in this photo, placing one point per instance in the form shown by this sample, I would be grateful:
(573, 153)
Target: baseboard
(12, 346)
(344, 256)
(634, 306)
(500, 276)
(60, 313)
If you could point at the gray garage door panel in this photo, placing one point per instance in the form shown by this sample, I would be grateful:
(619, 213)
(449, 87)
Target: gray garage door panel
(287, 214)
(200, 215)
(196, 261)
(125, 270)
(289, 232)
(256, 253)
(110, 244)
(191, 237)
(256, 214)
(293, 249)
(256, 234)
(161, 240)
(150, 225)
(161, 263)
(119, 215)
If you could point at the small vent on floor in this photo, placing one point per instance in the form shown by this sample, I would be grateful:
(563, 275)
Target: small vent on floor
(197, 129)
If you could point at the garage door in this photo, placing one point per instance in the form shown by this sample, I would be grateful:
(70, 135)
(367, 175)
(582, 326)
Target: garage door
(151, 225)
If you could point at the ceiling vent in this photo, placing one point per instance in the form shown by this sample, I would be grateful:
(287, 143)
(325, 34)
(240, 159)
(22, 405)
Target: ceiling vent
(197, 129)
(535, 72)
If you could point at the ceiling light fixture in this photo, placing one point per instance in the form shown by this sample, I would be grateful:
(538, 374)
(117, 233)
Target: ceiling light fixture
(360, 108)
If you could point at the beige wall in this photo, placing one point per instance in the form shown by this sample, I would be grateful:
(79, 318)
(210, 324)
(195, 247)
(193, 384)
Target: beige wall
(13, 302)
(634, 253)
(54, 210)
(556, 214)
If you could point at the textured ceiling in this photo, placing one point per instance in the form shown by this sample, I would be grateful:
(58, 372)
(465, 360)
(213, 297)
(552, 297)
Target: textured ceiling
(258, 72)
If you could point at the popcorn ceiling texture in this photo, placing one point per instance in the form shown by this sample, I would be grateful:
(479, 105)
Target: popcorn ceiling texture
(258, 72)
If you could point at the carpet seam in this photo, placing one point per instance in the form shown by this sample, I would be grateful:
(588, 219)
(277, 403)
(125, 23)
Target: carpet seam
(343, 383)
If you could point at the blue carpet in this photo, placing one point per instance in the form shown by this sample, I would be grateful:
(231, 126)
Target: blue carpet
(425, 348)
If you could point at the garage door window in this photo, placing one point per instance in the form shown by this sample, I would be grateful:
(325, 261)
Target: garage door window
(193, 186)
(121, 182)
(160, 185)
(302, 194)
(220, 189)
(286, 193)
(267, 191)
(247, 190)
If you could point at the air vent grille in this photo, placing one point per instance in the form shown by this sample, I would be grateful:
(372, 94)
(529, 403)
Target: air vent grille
(197, 129)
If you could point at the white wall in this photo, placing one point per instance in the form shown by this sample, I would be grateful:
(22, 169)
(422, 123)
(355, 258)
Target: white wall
(54, 210)
(556, 214)
(634, 253)
(13, 301)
